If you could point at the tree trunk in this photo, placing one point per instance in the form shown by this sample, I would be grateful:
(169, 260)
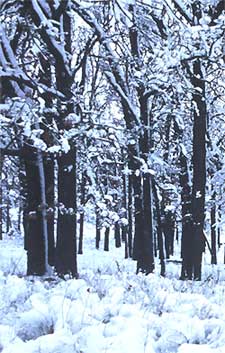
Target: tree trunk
(33, 216)
(146, 261)
(130, 217)
(81, 230)
(50, 198)
(49, 165)
(8, 222)
(143, 242)
(143, 234)
(177, 232)
(106, 239)
(146, 257)
(81, 234)
(98, 230)
(213, 232)
(218, 227)
(43, 207)
(138, 225)
(187, 239)
(117, 235)
(169, 233)
(66, 249)
(159, 230)
(20, 213)
(199, 167)
(124, 227)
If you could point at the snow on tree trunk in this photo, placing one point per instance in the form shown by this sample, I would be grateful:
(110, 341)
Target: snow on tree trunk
(199, 167)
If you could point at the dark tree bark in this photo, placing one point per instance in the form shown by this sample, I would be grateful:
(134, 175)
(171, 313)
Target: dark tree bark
(50, 199)
(98, 229)
(218, 228)
(81, 234)
(35, 238)
(177, 231)
(82, 201)
(124, 203)
(168, 219)
(146, 262)
(187, 235)
(143, 244)
(106, 239)
(33, 216)
(213, 232)
(199, 167)
(159, 229)
(168, 227)
(24, 203)
(66, 226)
(20, 212)
(124, 234)
(130, 217)
(117, 235)
(137, 189)
(8, 222)
(117, 231)
(124, 230)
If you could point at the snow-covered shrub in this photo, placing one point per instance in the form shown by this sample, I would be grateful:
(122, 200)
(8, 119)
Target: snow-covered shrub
(15, 290)
(33, 324)
(170, 341)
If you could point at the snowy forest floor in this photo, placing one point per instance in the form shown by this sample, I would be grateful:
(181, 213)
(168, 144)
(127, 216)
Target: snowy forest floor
(109, 309)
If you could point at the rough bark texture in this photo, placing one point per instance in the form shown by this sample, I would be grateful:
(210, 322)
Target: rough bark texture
(49, 185)
(199, 167)
(33, 216)
(82, 201)
(213, 232)
(106, 239)
(66, 247)
(98, 230)
(66, 225)
(130, 217)
(117, 235)
(187, 236)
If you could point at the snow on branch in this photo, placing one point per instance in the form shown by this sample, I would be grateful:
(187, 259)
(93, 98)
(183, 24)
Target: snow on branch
(102, 36)
(8, 48)
(5, 63)
(50, 31)
(180, 6)
(116, 77)
(20, 77)
(45, 6)
(12, 70)
(118, 89)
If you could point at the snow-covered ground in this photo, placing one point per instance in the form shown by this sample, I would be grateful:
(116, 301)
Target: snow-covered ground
(109, 309)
